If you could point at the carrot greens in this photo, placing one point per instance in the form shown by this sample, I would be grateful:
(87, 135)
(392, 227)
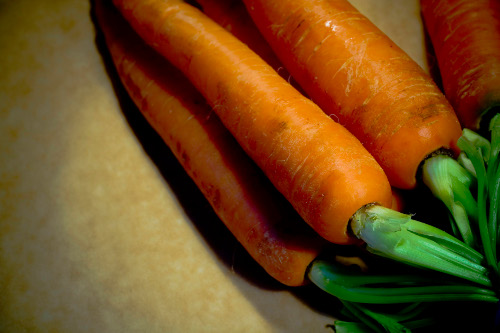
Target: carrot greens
(369, 297)
(352, 285)
(395, 235)
(470, 188)
(451, 182)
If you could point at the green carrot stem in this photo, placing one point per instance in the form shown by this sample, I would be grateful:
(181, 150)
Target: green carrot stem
(494, 198)
(494, 173)
(379, 322)
(366, 319)
(495, 137)
(395, 235)
(480, 143)
(450, 182)
(355, 286)
(465, 162)
(478, 152)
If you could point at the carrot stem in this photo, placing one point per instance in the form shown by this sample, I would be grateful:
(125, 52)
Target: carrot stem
(395, 235)
(450, 182)
(494, 173)
(378, 321)
(353, 285)
(478, 150)
(371, 323)
(409, 318)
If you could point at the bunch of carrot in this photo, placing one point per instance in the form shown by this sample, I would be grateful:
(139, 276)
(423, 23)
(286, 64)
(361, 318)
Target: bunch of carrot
(336, 177)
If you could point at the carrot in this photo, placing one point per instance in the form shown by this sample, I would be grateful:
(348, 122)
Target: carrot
(233, 16)
(321, 168)
(466, 39)
(356, 74)
(212, 46)
(246, 202)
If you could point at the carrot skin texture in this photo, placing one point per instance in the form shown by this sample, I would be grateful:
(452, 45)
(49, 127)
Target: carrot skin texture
(233, 16)
(466, 40)
(356, 74)
(251, 208)
(320, 168)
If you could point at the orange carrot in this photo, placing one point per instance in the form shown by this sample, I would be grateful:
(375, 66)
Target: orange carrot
(246, 202)
(466, 38)
(233, 16)
(320, 168)
(356, 74)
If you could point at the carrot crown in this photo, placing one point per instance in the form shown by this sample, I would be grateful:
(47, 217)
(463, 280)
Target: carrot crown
(395, 235)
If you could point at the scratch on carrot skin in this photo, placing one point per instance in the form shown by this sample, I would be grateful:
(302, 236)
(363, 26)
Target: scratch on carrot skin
(467, 82)
(473, 70)
(353, 70)
(340, 68)
(303, 36)
(397, 58)
(354, 18)
(427, 93)
(316, 48)
(280, 161)
(372, 35)
(452, 13)
(423, 84)
(278, 28)
(464, 90)
(390, 84)
(348, 13)
(300, 166)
